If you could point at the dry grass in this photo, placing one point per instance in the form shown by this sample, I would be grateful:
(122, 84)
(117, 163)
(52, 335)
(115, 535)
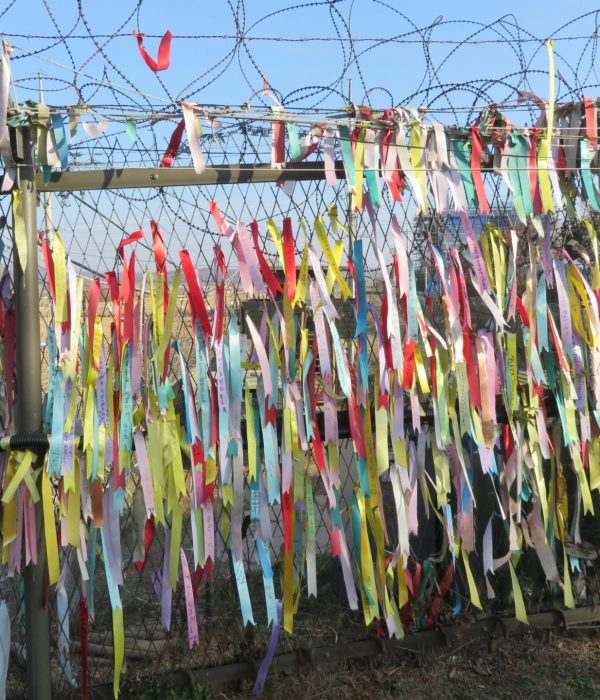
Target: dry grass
(528, 666)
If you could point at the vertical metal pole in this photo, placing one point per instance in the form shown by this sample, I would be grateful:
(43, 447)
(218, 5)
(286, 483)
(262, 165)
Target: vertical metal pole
(28, 419)
(351, 214)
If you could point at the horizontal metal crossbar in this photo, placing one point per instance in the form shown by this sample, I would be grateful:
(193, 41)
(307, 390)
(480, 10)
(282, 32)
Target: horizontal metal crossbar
(124, 178)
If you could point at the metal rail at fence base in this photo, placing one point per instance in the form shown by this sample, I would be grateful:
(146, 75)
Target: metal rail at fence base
(488, 630)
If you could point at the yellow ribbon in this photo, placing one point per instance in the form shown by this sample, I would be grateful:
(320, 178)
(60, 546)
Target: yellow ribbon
(359, 169)
(50, 529)
(19, 231)
(322, 237)
(24, 461)
(60, 278)
(338, 249)
(276, 236)
(302, 285)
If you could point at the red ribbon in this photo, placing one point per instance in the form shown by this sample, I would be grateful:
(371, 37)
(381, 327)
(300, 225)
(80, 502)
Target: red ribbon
(289, 259)
(522, 312)
(197, 449)
(197, 576)
(126, 294)
(83, 647)
(561, 358)
(173, 147)
(310, 150)
(409, 364)
(397, 272)
(354, 140)
(278, 142)
(471, 371)
(135, 236)
(164, 52)
(318, 451)
(354, 417)
(416, 579)
(113, 288)
(444, 587)
(267, 273)
(160, 256)
(216, 215)
(395, 181)
(334, 538)
(534, 185)
(220, 295)
(197, 452)
(48, 263)
(129, 275)
(198, 305)
(591, 126)
(286, 504)
(508, 441)
(158, 247)
(92, 309)
(463, 298)
(149, 529)
(271, 415)
(404, 307)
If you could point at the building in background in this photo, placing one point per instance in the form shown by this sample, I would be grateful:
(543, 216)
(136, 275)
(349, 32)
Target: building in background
(445, 230)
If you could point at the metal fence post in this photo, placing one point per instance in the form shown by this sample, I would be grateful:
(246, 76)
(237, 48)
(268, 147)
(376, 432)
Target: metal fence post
(28, 419)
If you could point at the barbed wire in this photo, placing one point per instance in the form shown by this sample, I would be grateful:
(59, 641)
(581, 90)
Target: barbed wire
(432, 87)
(301, 39)
(84, 64)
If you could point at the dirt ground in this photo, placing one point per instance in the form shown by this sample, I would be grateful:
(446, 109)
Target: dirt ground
(533, 665)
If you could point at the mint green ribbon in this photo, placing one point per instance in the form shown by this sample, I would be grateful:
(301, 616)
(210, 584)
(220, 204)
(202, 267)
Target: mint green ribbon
(586, 174)
(462, 153)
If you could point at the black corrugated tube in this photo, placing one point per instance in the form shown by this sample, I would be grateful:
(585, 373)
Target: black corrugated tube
(36, 442)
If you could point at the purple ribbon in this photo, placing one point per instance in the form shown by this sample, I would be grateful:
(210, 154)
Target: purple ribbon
(261, 677)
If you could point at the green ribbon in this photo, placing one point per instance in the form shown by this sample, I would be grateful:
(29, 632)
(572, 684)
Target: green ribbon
(347, 154)
(462, 153)
(518, 160)
(586, 174)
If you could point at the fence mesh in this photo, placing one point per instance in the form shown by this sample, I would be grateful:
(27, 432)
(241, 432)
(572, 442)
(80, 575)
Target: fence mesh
(92, 224)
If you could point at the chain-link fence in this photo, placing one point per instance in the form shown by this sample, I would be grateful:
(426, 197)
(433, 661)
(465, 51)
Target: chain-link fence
(92, 223)
(453, 523)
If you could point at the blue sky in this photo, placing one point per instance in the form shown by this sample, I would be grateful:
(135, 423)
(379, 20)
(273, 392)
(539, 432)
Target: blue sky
(395, 73)
(290, 67)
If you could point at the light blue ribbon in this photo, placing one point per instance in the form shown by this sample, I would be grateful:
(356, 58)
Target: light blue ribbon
(58, 424)
(60, 136)
(203, 389)
(242, 588)
(541, 314)
(126, 425)
(361, 290)
(308, 419)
